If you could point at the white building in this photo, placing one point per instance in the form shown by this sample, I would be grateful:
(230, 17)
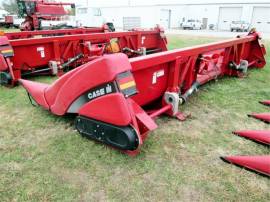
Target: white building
(134, 13)
(3, 13)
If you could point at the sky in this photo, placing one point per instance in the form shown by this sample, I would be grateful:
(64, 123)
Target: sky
(149, 2)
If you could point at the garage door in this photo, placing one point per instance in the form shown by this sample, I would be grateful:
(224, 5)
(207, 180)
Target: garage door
(227, 15)
(261, 19)
(131, 22)
(165, 18)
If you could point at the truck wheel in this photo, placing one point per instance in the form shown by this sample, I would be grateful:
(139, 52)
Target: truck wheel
(111, 26)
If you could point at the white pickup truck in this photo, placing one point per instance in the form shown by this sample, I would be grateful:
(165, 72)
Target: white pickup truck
(192, 24)
(239, 26)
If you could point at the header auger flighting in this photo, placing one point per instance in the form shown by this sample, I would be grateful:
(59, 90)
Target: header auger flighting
(116, 98)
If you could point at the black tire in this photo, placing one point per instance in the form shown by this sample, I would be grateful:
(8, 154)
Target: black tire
(111, 26)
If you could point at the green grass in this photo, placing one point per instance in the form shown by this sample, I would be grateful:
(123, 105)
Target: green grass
(9, 29)
(42, 157)
(176, 41)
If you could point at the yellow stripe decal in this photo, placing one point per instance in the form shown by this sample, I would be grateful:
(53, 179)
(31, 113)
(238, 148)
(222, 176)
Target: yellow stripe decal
(7, 51)
(127, 85)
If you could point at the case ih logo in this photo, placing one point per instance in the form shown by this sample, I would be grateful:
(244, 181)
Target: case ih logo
(101, 90)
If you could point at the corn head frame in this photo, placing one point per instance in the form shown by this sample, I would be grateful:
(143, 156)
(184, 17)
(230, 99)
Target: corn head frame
(116, 99)
(23, 54)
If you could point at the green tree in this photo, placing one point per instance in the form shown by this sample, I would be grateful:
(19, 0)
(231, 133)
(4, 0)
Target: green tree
(10, 6)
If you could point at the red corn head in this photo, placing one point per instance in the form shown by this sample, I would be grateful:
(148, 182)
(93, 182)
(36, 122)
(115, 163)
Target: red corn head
(262, 136)
(265, 102)
(262, 116)
(260, 164)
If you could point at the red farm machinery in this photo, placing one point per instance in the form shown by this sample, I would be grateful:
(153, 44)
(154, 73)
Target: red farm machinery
(116, 97)
(35, 11)
(24, 54)
(117, 83)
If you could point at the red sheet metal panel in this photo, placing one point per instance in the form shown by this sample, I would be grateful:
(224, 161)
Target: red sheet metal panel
(31, 54)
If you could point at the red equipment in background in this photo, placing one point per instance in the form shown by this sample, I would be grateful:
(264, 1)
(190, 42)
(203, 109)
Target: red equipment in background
(32, 56)
(117, 99)
(8, 20)
(36, 10)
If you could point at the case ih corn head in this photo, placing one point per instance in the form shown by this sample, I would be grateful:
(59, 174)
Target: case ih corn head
(116, 99)
(23, 54)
